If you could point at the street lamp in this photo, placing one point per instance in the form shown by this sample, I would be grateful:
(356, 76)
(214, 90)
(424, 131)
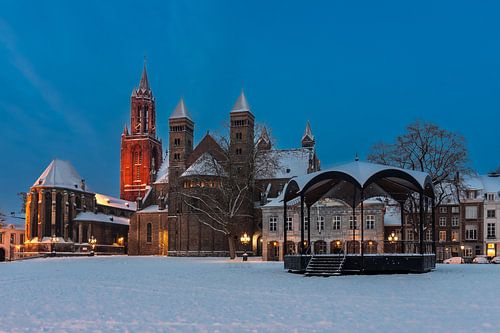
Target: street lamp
(462, 247)
(53, 241)
(92, 242)
(392, 237)
(245, 239)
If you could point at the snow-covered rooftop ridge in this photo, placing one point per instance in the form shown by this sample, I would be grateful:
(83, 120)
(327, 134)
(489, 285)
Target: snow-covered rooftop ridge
(483, 183)
(106, 200)
(241, 104)
(61, 174)
(162, 174)
(292, 163)
(100, 217)
(180, 111)
(18, 221)
(205, 165)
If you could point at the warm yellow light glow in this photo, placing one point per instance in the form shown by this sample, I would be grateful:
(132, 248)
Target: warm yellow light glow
(491, 246)
(245, 239)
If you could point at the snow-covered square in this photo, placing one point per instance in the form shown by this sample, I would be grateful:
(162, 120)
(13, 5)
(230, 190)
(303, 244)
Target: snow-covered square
(161, 294)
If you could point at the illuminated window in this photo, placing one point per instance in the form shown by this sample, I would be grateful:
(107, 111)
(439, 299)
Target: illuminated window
(370, 222)
(442, 236)
(454, 236)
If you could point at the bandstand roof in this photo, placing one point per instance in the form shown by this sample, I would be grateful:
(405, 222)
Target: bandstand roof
(347, 181)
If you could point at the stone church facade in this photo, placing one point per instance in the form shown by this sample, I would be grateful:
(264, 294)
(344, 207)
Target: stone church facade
(167, 224)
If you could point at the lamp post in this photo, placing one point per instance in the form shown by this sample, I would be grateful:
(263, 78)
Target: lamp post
(53, 241)
(393, 238)
(245, 239)
(462, 247)
(92, 242)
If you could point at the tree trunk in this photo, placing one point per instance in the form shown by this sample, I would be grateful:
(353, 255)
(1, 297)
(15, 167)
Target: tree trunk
(232, 246)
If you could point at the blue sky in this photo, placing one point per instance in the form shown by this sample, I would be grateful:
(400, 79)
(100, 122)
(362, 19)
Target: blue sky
(358, 70)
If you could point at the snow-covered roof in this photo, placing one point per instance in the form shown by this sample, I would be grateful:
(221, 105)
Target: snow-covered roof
(483, 184)
(392, 216)
(241, 104)
(106, 200)
(100, 217)
(162, 174)
(292, 163)
(153, 209)
(205, 165)
(18, 221)
(362, 171)
(180, 111)
(61, 174)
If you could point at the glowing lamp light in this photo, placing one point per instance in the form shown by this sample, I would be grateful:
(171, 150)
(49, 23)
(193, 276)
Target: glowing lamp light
(392, 237)
(245, 239)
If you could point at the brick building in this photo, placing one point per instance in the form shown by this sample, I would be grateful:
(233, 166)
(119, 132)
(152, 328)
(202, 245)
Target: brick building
(11, 236)
(61, 206)
(166, 224)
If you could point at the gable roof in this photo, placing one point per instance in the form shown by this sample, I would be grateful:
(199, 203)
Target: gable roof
(205, 165)
(292, 163)
(162, 174)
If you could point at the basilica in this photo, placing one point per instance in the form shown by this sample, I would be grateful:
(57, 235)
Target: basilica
(167, 222)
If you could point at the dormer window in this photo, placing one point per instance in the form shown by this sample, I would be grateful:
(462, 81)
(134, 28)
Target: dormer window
(490, 196)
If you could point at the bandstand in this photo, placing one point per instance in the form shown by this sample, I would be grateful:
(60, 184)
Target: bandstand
(353, 183)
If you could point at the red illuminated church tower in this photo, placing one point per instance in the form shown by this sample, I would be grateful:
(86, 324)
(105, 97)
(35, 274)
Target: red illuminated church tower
(141, 151)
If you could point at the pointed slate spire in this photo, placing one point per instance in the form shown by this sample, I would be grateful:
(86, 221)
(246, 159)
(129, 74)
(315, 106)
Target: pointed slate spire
(264, 142)
(144, 84)
(241, 104)
(308, 132)
(308, 137)
(264, 136)
(180, 111)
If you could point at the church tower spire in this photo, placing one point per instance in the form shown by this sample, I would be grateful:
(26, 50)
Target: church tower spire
(308, 138)
(141, 151)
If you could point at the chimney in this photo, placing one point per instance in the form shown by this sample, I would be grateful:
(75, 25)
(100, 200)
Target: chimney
(82, 184)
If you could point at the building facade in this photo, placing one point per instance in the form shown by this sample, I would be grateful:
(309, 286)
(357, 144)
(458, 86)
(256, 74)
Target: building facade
(62, 213)
(333, 230)
(167, 223)
(11, 236)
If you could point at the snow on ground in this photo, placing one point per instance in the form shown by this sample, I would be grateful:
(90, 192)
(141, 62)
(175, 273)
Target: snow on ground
(150, 294)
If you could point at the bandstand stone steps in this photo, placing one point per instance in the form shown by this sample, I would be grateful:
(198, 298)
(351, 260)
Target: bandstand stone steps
(325, 265)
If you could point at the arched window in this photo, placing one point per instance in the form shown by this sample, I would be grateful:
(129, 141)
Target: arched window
(149, 233)
(137, 160)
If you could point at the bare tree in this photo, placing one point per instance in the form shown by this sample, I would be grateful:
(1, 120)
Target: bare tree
(23, 197)
(428, 148)
(221, 187)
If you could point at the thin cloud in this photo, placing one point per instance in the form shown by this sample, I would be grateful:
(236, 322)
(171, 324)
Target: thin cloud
(48, 92)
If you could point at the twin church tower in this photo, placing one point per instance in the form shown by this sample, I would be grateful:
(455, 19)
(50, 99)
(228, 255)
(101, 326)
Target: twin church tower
(141, 149)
